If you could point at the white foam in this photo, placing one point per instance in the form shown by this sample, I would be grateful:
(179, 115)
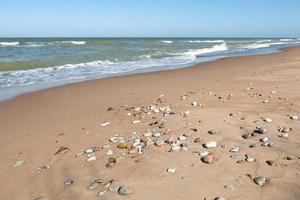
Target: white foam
(167, 41)
(286, 40)
(72, 42)
(215, 48)
(206, 41)
(5, 44)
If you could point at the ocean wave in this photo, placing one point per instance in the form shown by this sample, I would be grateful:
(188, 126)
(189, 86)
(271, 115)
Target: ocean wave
(206, 41)
(167, 41)
(6, 44)
(286, 40)
(86, 70)
(262, 45)
(42, 43)
(215, 48)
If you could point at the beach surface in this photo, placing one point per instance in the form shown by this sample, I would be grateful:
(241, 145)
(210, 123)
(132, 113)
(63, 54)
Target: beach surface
(229, 98)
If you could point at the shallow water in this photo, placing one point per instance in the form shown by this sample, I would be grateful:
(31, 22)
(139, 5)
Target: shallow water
(30, 64)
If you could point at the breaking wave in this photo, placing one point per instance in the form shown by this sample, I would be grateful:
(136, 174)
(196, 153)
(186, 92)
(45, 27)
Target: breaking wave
(215, 48)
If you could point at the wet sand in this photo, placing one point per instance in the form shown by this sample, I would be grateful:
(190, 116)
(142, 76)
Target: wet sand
(230, 93)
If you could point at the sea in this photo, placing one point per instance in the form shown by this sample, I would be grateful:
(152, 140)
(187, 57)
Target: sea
(32, 64)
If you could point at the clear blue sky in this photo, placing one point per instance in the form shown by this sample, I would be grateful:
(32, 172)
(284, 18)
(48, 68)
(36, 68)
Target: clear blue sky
(113, 18)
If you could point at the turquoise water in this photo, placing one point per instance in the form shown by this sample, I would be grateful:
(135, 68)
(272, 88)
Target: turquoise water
(29, 64)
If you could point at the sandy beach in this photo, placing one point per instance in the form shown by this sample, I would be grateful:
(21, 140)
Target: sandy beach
(51, 138)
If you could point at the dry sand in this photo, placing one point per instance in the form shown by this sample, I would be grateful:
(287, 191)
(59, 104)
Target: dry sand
(34, 126)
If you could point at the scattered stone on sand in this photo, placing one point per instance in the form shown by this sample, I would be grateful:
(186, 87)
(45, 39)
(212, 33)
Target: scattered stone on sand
(171, 170)
(69, 181)
(109, 152)
(210, 158)
(265, 139)
(182, 137)
(203, 154)
(271, 162)
(62, 150)
(235, 149)
(110, 108)
(261, 180)
(136, 121)
(159, 143)
(210, 144)
(122, 190)
(283, 129)
(212, 132)
(269, 120)
(266, 101)
(105, 124)
(123, 145)
(249, 158)
(108, 185)
(219, 198)
(284, 135)
(18, 163)
(294, 117)
(246, 135)
(260, 130)
(42, 168)
(194, 103)
(198, 140)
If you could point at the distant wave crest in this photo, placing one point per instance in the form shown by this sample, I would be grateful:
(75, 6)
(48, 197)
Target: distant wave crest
(215, 48)
(42, 43)
(7, 44)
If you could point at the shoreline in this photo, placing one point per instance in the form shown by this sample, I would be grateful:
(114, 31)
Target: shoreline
(277, 51)
(233, 96)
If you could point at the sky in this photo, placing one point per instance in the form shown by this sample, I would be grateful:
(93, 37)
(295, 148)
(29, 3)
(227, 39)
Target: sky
(149, 18)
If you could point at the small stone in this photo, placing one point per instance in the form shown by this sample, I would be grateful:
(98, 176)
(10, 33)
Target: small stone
(198, 140)
(203, 154)
(68, 181)
(42, 168)
(92, 185)
(210, 158)
(159, 143)
(271, 162)
(210, 144)
(110, 108)
(260, 130)
(269, 120)
(261, 180)
(18, 163)
(169, 140)
(109, 152)
(249, 158)
(171, 170)
(219, 198)
(123, 145)
(124, 191)
(265, 139)
(266, 101)
(91, 158)
(283, 129)
(212, 132)
(246, 135)
(235, 149)
(194, 103)
(105, 124)
(182, 137)
(284, 135)
(294, 117)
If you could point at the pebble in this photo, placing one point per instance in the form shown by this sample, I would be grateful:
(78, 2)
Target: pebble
(182, 137)
(171, 170)
(210, 158)
(212, 132)
(92, 185)
(261, 180)
(265, 139)
(283, 129)
(260, 130)
(18, 163)
(284, 135)
(122, 190)
(294, 117)
(235, 149)
(68, 181)
(109, 152)
(210, 144)
(219, 198)
(271, 162)
(203, 154)
(91, 158)
(42, 168)
(159, 143)
(269, 120)
(249, 158)
(105, 123)
(246, 135)
(194, 103)
(198, 140)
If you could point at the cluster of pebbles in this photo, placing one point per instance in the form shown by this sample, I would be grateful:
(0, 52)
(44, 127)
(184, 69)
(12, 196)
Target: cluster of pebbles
(159, 135)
